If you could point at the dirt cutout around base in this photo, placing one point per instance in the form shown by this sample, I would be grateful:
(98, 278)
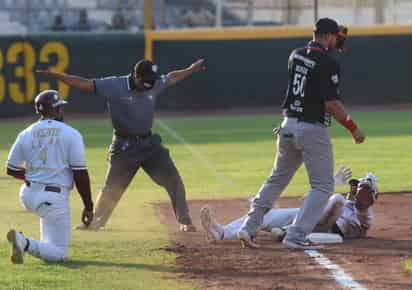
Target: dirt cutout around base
(374, 262)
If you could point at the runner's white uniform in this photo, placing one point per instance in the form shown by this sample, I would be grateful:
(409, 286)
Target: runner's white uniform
(48, 150)
(352, 223)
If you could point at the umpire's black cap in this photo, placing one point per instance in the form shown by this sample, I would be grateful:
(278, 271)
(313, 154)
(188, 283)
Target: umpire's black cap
(326, 25)
(147, 70)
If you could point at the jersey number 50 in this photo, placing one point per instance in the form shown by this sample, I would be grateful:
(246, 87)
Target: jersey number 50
(299, 82)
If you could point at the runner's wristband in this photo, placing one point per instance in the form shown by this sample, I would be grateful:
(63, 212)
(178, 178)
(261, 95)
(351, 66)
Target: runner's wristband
(349, 124)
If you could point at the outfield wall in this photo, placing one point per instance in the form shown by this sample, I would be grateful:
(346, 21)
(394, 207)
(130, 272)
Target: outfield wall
(248, 66)
(245, 66)
(86, 54)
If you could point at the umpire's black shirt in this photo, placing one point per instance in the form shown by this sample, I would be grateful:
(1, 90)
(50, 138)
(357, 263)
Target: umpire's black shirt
(313, 79)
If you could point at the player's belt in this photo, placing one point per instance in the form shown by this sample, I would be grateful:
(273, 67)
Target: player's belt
(138, 136)
(47, 187)
(300, 118)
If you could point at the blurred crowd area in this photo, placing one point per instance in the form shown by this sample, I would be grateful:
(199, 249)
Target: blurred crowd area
(26, 16)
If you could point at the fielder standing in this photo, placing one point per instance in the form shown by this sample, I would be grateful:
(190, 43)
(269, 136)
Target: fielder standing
(48, 156)
(312, 98)
(131, 102)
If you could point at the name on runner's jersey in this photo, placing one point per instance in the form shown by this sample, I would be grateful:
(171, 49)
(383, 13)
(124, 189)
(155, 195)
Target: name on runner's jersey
(47, 132)
(308, 62)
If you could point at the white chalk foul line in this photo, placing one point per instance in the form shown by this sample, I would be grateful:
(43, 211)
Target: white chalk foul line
(200, 157)
(337, 272)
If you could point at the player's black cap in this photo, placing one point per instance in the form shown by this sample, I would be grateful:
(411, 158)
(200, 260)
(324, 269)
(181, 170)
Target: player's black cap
(326, 25)
(147, 70)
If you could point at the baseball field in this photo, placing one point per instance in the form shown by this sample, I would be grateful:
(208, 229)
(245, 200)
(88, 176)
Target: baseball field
(223, 161)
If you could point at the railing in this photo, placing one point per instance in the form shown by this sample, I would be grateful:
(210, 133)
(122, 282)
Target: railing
(26, 16)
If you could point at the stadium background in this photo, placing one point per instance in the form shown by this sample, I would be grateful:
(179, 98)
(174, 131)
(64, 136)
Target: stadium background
(222, 156)
(245, 44)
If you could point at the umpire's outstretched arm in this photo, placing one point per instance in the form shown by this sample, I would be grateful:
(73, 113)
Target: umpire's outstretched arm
(70, 80)
(179, 75)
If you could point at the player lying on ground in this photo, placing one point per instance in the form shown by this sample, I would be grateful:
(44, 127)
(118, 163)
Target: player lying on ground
(49, 156)
(350, 217)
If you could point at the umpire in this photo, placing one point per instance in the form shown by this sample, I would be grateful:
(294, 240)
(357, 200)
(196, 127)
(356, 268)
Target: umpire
(131, 100)
(312, 97)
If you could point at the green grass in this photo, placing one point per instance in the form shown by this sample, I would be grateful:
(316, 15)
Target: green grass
(408, 265)
(224, 157)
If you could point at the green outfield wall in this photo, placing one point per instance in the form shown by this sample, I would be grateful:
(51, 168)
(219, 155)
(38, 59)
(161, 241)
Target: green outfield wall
(85, 54)
(245, 67)
(248, 67)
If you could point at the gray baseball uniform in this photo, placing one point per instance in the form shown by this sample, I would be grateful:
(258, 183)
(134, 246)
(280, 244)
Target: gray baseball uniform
(302, 138)
(134, 146)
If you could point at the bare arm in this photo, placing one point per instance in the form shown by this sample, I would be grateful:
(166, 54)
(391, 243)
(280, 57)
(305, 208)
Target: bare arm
(82, 181)
(179, 75)
(337, 109)
(71, 80)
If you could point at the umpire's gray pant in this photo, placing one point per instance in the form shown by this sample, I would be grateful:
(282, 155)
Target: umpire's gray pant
(297, 142)
(126, 158)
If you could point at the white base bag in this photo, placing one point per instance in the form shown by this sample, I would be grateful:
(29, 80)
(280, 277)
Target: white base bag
(325, 238)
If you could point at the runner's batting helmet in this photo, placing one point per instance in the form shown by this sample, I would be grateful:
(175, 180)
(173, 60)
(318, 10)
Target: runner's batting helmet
(46, 101)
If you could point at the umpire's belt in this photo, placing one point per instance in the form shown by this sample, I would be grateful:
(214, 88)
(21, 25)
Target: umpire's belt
(47, 187)
(134, 137)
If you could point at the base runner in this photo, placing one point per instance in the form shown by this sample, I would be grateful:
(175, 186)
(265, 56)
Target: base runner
(49, 157)
(349, 216)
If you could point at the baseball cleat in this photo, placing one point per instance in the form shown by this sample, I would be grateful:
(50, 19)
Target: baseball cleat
(91, 227)
(214, 231)
(187, 228)
(301, 245)
(18, 243)
(278, 234)
(246, 241)
(95, 225)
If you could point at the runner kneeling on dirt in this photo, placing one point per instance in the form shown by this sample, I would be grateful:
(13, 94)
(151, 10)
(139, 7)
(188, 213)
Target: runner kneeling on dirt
(350, 216)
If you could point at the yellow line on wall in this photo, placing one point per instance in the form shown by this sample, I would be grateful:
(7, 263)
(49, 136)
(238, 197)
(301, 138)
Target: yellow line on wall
(270, 32)
(267, 32)
(230, 33)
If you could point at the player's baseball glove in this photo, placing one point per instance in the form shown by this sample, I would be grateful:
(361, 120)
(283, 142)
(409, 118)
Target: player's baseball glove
(342, 35)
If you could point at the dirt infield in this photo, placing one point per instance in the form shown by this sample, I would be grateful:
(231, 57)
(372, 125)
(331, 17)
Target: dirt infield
(374, 262)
